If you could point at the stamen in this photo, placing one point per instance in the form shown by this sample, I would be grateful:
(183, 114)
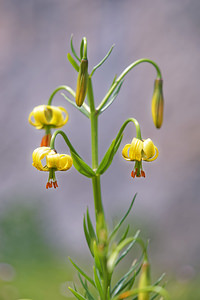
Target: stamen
(142, 173)
(55, 185)
(133, 174)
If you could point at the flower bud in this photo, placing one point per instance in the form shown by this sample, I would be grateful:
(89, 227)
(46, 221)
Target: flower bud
(157, 104)
(144, 281)
(81, 88)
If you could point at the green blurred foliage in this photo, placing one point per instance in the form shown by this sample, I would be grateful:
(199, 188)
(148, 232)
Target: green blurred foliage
(29, 267)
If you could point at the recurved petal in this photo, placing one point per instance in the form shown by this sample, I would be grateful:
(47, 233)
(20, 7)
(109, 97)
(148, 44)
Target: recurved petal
(60, 162)
(148, 149)
(125, 152)
(135, 152)
(154, 157)
(38, 155)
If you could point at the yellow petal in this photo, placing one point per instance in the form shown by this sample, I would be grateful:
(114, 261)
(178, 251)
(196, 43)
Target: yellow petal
(44, 115)
(148, 149)
(156, 155)
(60, 162)
(38, 155)
(125, 152)
(135, 152)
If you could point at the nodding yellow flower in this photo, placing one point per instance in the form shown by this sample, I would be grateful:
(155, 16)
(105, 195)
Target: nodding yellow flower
(54, 162)
(138, 151)
(48, 115)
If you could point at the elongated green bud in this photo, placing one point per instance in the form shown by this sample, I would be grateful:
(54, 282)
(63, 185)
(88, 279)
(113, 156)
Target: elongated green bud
(81, 88)
(157, 103)
(144, 281)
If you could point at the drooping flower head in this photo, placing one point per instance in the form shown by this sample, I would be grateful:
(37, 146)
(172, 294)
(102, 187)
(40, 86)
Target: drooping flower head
(50, 116)
(54, 162)
(138, 151)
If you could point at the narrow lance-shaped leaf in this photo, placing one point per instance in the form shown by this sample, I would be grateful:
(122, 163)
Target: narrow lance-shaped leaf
(73, 50)
(108, 157)
(81, 166)
(102, 61)
(73, 62)
(122, 220)
(111, 98)
(127, 284)
(81, 49)
(114, 255)
(90, 227)
(120, 283)
(83, 109)
(125, 234)
(87, 236)
(76, 294)
(154, 289)
(98, 282)
(82, 272)
(88, 294)
(130, 246)
(96, 257)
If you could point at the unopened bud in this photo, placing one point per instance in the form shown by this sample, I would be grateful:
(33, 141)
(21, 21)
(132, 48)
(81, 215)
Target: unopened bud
(144, 281)
(157, 103)
(82, 80)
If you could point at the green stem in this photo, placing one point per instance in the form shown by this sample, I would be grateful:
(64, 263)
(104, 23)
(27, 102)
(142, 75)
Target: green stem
(123, 74)
(52, 144)
(62, 87)
(94, 145)
(137, 126)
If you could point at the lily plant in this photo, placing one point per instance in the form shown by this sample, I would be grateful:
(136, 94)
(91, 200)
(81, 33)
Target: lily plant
(107, 247)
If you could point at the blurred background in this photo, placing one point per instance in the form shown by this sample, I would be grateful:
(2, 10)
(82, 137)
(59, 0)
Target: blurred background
(40, 228)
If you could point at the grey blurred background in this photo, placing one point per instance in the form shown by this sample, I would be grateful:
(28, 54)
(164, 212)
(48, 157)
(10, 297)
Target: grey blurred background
(35, 40)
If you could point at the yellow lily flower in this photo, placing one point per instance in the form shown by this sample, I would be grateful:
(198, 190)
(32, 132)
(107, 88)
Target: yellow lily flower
(48, 115)
(138, 151)
(54, 162)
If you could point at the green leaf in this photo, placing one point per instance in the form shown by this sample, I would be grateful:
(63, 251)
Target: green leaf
(125, 234)
(82, 272)
(125, 252)
(87, 236)
(98, 282)
(84, 108)
(76, 294)
(73, 62)
(96, 257)
(102, 61)
(121, 282)
(90, 227)
(122, 220)
(112, 98)
(118, 142)
(111, 263)
(81, 166)
(108, 293)
(89, 295)
(107, 159)
(73, 50)
(81, 49)
(154, 289)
